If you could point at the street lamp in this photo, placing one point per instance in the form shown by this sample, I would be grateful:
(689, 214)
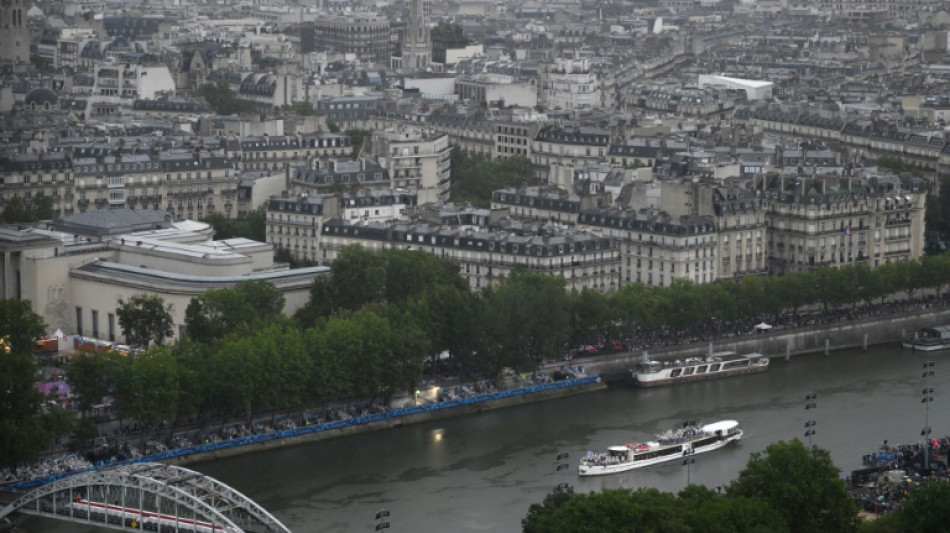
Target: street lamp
(562, 464)
(381, 522)
(810, 403)
(926, 400)
(688, 461)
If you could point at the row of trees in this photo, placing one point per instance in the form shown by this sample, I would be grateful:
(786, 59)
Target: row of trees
(787, 488)
(371, 325)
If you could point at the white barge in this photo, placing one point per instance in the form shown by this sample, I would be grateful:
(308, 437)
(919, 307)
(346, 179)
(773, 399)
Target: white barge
(717, 365)
(691, 439)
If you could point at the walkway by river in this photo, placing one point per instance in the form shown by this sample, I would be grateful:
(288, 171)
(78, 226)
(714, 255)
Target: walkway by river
(480, 473)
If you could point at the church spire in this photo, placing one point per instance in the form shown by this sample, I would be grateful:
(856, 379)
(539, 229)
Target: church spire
(417, 45)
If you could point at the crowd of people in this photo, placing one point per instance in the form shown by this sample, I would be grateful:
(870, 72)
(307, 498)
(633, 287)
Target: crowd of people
(46, 467)
(135, 440)
(893, 470)
(644, 338)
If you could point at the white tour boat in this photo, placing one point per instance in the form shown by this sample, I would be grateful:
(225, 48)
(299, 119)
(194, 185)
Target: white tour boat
(717, 365)
(929, 339)
(691, 439)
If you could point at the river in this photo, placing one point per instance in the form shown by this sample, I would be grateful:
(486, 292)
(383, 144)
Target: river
(482, 472)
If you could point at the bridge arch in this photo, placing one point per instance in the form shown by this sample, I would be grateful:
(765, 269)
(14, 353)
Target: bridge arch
(152, 496)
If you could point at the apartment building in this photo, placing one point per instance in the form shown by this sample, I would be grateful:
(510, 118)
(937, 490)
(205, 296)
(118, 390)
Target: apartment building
(187, 184)
(416, 158)
(332, 175)
(366, 35)
(295, 222)
(655, 247)
(281, 152)
(568, 146)
(545, 203)
(583, 259)
(824, 220)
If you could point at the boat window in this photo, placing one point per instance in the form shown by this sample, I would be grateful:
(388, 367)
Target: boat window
(676, 372)
(688, 371)
(701, 369)
(714, 367)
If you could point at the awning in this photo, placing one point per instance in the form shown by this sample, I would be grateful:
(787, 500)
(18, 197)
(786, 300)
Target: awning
(763, 326)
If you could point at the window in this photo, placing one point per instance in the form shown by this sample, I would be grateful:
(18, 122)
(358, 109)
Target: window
(79, 320)
(111, 326)
(95, 323)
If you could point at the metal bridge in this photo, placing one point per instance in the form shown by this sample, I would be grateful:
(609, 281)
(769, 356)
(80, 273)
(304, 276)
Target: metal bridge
(149, 497)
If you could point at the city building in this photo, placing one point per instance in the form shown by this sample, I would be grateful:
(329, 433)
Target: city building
(826, 220)
(365, 35)
(416, 158)
(75, 271)
(583, 259)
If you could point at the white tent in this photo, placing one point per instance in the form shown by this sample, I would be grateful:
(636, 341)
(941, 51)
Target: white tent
(763, 326)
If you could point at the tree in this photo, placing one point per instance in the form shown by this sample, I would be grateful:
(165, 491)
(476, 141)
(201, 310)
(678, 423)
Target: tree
(925, 510)
(147, 387)
(474, 177)
(19, 325)
(525, 319)
(648, 510)
(90, 377)
(802, 484)
(224, 100)
(14, 210)
(221, 312)
(145, 318)
(358, 139)
(22, 432)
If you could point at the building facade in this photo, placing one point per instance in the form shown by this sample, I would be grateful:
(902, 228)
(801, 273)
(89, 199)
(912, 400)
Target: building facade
(583, 259)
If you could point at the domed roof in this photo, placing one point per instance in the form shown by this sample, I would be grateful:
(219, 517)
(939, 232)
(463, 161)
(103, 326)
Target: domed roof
(41, 96)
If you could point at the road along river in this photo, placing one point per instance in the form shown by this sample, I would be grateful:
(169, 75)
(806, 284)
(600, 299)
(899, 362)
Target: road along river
(481, 472)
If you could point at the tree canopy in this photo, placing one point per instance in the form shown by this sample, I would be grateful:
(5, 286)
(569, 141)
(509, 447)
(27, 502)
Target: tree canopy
(144, 319)
(802, 484)
(475, 176)
(224, 100)
(219, 313)
(648, 510)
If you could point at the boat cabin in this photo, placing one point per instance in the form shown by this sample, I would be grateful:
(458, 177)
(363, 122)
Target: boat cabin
(934, 335)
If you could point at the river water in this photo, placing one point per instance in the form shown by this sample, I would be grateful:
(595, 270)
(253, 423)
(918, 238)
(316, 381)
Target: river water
(482, 472)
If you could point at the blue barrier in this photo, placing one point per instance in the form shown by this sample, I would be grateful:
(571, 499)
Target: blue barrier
(326, 426)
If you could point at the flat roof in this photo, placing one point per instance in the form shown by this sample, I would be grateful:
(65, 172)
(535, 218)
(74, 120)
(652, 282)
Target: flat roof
(111, 271)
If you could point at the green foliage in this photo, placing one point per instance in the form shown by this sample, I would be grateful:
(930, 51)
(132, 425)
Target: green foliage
(22, 432)
(897, 165)
(333, 127)
(19, 325)
(144, 318)
(474, 177)
(358, 139)
(802, 484)
(221, 312)
(17, 211)
(648, 510)
(251, 226)
(42, 65)
(524, 320)
(304, 109)
(925, 510)
(447, 32)
(89, 376)
(224, 100)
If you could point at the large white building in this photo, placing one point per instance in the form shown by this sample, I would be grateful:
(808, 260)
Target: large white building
(76, 271)
(754, 89)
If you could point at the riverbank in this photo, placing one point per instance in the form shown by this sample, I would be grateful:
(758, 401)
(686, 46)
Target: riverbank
(823, 338)
(353, 426)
